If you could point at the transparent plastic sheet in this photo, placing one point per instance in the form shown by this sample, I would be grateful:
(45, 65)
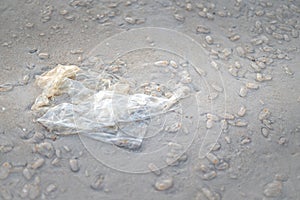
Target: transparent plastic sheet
(98, 105)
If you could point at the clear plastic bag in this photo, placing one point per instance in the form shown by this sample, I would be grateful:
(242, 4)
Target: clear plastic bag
(98, 105)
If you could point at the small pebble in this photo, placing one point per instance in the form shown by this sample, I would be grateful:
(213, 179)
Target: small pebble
(76, 51)
(27, 173)
(188, 6)
(231, 122)
(209, 175)
(286, 38)
(260, 12)
(34, 191)
(209, 123)
(213, 95)
(243, 91)
(38, 163)
(66, 148)
(212, 158)
(281, 56)
(179, 17)
(256, 41)
(282, 141)
(240, 51)
(273, 189)
(281, 177)
(58, 153)
(37, 137)
(224, 125)
(227, 139)
(44, 56)
(265, 132)
(69, 17)
(164, 184)
(97, 183)
(252, 86)
(32, 50)
(29, 25)
(212, 117)
(74, 165)
(171, 160)
(261, 65)
(268, 30)
(63, 12)
(215, 65)
(55, 162)
(87, 173)
(242, 111)
(246, 140)
(258, 24)
(202, 14)
(217, 87)
(47, 13)
(173, 64)
(264, 114)
(210, 16)
(209, 39)
(153, 168)
(161, 63)
(268, 49)
(173, 128)
(200, 71)
(130, 20)
(45, 149)
(277, 36)
(51, 188)
(234, 37)
(24, 191)
(233, 71)
(5, 170)
(267, 123)
(6, 87)
(295, 33)
(222, 165)
(202, 167)
(186, 77)
(227, 116)
(216, 146)
(207, 193)
(222, 13)
(287, 70)
(261, 77)
(202, 29)
(254, 66)
(241, 123)
(5, 145)
(25, 79)
(225, 53)
(182, 158)
(5, 194)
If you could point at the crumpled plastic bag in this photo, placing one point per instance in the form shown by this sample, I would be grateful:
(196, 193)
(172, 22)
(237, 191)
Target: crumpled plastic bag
(98, 105)
(51, 83)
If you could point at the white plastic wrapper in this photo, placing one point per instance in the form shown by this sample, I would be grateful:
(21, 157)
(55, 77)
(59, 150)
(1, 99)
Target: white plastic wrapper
(98, 106)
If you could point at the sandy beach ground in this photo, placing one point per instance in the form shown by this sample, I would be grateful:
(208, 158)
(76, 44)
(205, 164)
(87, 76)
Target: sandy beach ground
(239, 58)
